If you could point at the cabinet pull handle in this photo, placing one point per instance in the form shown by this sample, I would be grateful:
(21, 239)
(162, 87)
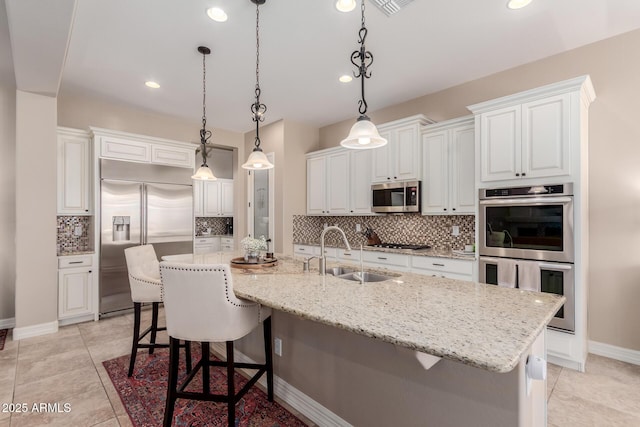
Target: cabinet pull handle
(524, 174)
(380, 257)
(517, 174)
(75, 262)
(347, 254)
(438, 265)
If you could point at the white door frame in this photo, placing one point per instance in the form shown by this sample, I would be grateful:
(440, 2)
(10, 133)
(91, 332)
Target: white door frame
(251, 204)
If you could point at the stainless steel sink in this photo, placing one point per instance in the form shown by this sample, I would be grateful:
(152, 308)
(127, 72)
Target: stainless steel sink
(337, 271)
(367, 276)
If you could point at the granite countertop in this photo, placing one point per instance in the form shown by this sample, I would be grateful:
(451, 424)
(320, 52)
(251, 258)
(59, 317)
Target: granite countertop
(481, 325)
(433, 252)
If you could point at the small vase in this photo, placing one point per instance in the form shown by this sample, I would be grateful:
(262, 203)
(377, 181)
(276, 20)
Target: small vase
(251, 257)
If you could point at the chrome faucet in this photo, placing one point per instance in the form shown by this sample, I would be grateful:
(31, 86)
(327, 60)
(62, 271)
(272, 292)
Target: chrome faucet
(322, 257)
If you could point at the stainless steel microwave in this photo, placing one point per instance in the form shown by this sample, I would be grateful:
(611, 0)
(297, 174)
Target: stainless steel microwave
(396, 197)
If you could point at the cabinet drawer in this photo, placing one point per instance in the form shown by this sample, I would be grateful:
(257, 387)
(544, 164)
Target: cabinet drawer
(353, 255)
(75, 261)
(454, 266)
(226, 240)
(386, 258)
(204, 240)
(329, 252)
(306, 250)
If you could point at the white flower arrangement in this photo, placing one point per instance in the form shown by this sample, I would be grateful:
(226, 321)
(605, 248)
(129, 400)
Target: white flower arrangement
(250, 244)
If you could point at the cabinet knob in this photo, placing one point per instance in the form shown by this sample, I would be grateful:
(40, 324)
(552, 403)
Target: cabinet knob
(445, 209)
(388, 177)
(86, 210)
(517, 174)
(351, 211)
(523, 174)
(395, 177)
(453, 209)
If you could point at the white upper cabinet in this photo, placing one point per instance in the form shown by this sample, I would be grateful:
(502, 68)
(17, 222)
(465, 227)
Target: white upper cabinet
(338, 182)
(74, 172)
(213, 198)
(533, 134)
(449, 164)
(400, 159)
(143, 149)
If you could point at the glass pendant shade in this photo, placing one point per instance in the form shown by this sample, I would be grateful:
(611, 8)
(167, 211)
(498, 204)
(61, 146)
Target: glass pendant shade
(257, 160)
(204, 173)
(363, 136)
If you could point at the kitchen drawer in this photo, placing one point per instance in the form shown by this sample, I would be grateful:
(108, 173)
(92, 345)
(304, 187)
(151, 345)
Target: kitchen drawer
(226, 240)
(444, 265)
(308, 250)
(352, 255)
(75, 261)
(329, 252)
(383, 258)
(205, 240)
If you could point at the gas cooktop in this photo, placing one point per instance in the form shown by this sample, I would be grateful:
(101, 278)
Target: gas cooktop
(400, 246)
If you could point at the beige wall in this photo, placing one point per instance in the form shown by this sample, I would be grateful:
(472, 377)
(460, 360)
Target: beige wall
(614, 175)
(7, 200)
(36, 288)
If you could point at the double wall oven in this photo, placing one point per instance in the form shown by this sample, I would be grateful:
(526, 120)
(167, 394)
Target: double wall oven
(527, 232)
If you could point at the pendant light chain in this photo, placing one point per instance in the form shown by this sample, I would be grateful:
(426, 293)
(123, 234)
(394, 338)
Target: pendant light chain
(258, 109)
(362, 60)
(205, 134)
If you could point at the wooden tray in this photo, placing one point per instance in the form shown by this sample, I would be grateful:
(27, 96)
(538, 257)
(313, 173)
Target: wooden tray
(264, 263)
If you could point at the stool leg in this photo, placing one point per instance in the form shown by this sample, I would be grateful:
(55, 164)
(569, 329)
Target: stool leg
(154, 326)
(172, 382)
(231, 393)
(136, 336)
(266, 326)
(187, 355)
(206, 388)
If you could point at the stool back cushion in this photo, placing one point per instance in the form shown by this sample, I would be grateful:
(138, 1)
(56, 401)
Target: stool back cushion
(200, 304)
(144, 273)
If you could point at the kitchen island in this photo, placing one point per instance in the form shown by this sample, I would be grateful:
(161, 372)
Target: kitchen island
(483, 334)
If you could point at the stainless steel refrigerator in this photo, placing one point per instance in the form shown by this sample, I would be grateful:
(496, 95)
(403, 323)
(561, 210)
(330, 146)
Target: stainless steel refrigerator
(140, 204)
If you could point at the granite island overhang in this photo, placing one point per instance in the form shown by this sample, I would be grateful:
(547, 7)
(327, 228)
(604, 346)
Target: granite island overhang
(350, 342)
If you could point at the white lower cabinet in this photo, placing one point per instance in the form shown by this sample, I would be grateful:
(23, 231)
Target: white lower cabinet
(226, 244)
(383, 259)
(205, 245)
(443, 267)
(75, 288)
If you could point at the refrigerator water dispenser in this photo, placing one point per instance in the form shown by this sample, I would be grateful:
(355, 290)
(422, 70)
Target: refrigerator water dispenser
(121, 228)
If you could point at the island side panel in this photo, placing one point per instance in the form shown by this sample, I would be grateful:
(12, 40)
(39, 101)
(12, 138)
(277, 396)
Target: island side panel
(369, 382)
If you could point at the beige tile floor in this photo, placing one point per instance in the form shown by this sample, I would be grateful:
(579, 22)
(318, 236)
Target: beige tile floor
(67, 367)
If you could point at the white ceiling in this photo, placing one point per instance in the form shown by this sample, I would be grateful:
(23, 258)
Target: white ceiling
(428, 46)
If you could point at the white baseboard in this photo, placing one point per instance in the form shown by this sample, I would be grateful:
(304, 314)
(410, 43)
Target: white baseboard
(35, 330)
(291, 395)
(7, 323)
(614, 352)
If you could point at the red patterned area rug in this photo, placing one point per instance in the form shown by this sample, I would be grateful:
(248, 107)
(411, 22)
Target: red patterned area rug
(144, 395)
(3, 336)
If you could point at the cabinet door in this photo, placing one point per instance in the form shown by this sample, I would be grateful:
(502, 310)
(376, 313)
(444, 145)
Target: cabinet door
(226, 198)
(74, 175)
(546, 147)
(337, 184)
(316, 186)
(382, 159)
(172, 156)
(500, 144)
(407, 154)
(122, 149)
(360, 182)
(462, 186)
(198, 198)
(436, 172)
(211, 198)
(75, 292)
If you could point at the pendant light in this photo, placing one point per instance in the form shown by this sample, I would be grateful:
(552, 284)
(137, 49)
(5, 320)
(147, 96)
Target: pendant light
(257, 160)
(363, 134)
(204, 173)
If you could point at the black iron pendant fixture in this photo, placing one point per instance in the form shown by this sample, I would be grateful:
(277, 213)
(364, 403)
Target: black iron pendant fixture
(257, 159)
(364, 134)
(204, 172)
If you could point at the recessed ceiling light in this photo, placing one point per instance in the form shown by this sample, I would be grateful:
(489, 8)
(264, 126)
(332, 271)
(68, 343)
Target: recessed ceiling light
(345, 78)
(217, 14)
(517, 4)
(345, 5)
(152, 85)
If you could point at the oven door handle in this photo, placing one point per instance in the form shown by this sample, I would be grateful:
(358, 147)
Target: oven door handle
(555, 266)
(526, 201)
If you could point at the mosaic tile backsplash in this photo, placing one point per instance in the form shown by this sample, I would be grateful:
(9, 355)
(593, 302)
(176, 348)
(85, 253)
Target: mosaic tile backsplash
(68, 240)
(217, 225)
(434, 230)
